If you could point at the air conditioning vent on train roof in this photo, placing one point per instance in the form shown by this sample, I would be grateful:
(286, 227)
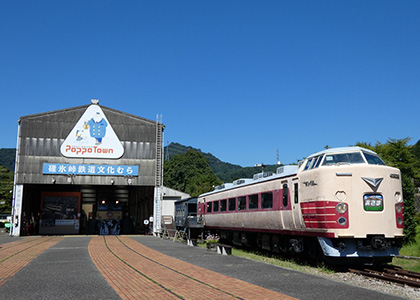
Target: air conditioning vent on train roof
(262, 175)
(223, 186)
(287, 169)
(239, 181)
(219, 187)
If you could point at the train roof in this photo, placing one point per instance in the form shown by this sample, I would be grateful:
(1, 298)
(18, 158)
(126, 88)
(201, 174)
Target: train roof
(342, 149)
(191, 199)
(282, 171)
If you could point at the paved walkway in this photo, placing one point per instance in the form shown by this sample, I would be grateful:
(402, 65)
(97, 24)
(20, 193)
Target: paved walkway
(147, 274)
(131, 269)
(16, 255)
(139, 267)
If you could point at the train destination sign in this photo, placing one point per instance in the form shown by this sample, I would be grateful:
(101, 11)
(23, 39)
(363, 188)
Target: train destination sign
(92, 137)
(85, 169)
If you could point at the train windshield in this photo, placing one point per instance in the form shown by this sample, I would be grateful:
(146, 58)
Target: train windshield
(373, 159)
(343, 158)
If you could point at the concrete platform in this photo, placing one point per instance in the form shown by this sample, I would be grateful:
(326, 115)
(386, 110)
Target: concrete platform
(145, 267)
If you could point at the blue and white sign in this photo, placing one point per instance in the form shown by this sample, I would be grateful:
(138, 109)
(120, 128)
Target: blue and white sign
(103, 170)
(92, 137)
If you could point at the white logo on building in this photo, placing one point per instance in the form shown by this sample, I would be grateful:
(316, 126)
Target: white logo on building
(92, 137)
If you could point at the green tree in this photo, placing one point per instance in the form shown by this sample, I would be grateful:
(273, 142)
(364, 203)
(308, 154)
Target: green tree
(190, 173)
(6, 187)
(416, 153)
(397, 153)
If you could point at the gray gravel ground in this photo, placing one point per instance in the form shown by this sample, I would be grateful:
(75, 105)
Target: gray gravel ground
(374, 284)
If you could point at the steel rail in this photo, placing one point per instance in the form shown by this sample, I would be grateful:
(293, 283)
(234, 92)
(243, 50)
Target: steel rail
(177, 271)
(397, 275)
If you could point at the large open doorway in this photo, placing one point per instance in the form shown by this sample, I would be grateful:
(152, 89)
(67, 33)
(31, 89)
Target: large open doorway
(76, 209)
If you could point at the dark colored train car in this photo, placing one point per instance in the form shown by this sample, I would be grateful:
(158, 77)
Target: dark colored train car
(186, 217)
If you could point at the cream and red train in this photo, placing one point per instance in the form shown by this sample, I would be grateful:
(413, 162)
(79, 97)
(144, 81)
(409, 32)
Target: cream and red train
(344, 204)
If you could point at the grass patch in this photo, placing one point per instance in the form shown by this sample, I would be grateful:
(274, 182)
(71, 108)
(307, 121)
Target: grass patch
(410, 250)
(407, 264)
(277, 260)
(303, 266)
(290, 263)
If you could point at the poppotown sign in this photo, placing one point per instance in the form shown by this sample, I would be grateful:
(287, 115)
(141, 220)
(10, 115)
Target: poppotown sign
(92, 137)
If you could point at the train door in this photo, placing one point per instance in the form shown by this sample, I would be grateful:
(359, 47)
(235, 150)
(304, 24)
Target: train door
(285, 206)
(201, 211)
(297, 214)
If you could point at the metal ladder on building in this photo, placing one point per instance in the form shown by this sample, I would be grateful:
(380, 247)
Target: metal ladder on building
(158, 175)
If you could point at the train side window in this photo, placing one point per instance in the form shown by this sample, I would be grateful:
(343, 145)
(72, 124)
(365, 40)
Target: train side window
(318, 162)
(285, 195)
(308, 164)
(296, 192)
(209, 204)
(223, 205)
(215, 206)
(232, 204)
(241, 203)
(314, 162)
(373, 159)
(253, 201)
(267, 200)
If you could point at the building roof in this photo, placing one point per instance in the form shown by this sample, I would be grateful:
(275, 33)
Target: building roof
(168, 192)
(81, 108)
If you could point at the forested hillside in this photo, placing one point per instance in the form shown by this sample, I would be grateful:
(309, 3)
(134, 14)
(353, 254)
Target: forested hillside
(6, 187)
(224, 171)
(7, 158)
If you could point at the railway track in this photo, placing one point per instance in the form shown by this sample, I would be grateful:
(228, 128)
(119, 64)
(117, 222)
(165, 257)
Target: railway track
(166, 266)
(16, 255)
(396, 275)
(24, 246)
(138, 272)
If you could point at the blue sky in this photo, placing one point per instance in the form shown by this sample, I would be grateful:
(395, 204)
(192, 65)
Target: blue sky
(239, 79)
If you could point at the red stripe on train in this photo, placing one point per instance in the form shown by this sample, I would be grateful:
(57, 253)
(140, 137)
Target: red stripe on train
(323, 214)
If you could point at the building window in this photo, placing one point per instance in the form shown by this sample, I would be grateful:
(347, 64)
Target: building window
(253, 201)
(267, 200)
(232, 204)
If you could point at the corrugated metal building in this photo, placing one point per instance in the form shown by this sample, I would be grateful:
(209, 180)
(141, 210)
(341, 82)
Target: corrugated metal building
(88, 169)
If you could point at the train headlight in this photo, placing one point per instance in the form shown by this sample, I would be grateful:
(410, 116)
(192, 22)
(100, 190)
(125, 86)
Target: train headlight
(399, 221)
(341, 208)
(342, 221)
(341, 195)
(398, 208)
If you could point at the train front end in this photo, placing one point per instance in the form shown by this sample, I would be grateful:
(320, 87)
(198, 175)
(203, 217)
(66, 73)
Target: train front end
(356, 202)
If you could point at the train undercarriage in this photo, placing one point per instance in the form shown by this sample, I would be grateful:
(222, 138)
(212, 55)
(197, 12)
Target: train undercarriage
(372, 250)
